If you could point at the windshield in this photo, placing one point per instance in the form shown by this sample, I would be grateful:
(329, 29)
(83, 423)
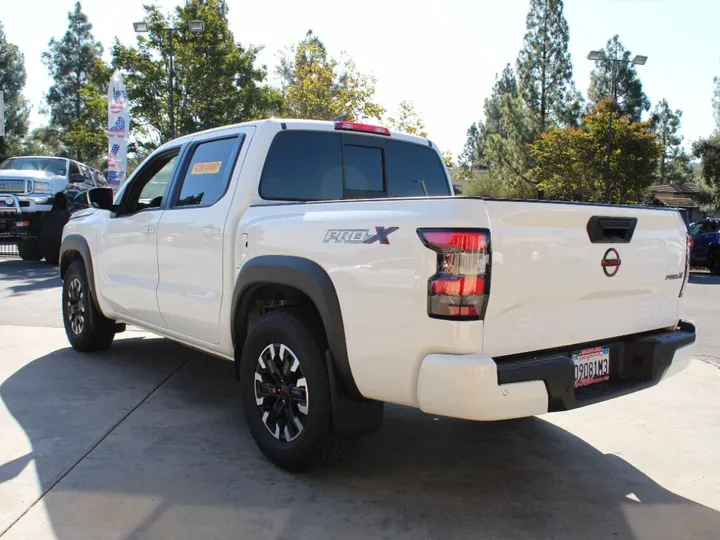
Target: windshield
(54, 166)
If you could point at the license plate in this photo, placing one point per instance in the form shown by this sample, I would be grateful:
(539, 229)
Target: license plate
(591, 366)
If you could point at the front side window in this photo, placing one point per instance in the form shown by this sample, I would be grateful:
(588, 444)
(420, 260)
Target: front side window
(149, 186)
(207, 176)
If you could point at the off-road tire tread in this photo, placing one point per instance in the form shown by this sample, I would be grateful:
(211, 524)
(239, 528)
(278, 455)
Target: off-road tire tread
(328, 449)
(99, 331)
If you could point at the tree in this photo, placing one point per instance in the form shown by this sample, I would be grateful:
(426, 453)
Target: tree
(630, 99)
(12, 82)
(473, 156)
(674, 162)
(570, 160)
(216, 80)
(75, 64)
(505, 84)
(716, 102)
(408, 120)
(708, 150)
(544, 67)
(316, 86)
(508, 152)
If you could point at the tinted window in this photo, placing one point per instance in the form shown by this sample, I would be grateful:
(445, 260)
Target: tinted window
(303, 166)
(208, 174)
(363, 170)
(410, 164)
(74, 169)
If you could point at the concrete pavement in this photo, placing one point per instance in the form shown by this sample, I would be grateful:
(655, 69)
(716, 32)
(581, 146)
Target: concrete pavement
(147, 441)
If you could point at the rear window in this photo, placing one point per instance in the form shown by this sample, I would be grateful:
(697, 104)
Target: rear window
(320, 165)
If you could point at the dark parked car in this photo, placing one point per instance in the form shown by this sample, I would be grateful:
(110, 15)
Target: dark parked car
(706, 244)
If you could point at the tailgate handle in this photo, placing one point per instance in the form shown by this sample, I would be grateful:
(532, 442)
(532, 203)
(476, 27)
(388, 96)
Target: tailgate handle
(607, 230)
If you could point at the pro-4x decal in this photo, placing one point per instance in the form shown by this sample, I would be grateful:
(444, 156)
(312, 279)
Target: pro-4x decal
(359, 236)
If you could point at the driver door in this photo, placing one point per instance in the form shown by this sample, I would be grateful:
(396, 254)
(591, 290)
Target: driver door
(128, 261)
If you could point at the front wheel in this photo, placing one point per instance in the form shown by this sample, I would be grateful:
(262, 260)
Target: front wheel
(286, 393)
(29, 250)
(87, 330)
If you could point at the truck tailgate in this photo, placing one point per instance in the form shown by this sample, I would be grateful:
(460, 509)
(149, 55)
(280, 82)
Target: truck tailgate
(556, 282)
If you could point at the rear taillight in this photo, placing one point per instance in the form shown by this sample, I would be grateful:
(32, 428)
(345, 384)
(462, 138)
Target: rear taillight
(688, 251)
(460, 287)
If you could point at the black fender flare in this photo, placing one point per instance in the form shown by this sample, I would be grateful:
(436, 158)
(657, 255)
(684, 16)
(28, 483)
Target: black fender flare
(311, 279)
(71, 244)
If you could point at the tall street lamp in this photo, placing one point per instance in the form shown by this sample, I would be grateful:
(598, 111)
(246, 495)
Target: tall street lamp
(195, 27)
(599, 56)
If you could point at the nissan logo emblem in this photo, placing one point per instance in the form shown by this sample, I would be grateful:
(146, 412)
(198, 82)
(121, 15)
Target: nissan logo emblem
(611, 262)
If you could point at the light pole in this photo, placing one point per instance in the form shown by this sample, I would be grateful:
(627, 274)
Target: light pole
(599, 56)
(195, 27)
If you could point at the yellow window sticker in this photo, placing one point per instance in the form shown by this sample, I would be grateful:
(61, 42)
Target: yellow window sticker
(207, 167)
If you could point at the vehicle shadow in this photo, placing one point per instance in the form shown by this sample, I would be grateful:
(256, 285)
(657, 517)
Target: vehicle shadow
(182, 465)
(28, 275)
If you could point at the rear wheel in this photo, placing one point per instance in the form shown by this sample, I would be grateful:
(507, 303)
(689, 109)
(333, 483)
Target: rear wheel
(29, 250)
(286, 393)
(86, 328)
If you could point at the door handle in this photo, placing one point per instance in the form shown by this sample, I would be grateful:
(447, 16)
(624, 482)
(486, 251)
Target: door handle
(211, 231)
(148, 230)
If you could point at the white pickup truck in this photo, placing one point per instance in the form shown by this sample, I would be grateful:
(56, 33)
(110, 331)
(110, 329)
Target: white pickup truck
(332, 263)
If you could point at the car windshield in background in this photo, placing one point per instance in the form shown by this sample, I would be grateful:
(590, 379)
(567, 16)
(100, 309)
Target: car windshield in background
(51, 165)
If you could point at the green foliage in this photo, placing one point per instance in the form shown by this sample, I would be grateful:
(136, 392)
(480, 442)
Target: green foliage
(80, 76)
(674, 162)
(629, 96)
(708, 150)
(408, 120)
(44, 141)
(570, 160)
(544, 66)
(508, 152)
(216, 80)
(473, 156)
(505, 84)
(716, 103)
(318, 87)
(12, 81)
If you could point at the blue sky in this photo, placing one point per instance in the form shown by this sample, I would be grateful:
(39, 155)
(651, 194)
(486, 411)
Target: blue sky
(441, 55)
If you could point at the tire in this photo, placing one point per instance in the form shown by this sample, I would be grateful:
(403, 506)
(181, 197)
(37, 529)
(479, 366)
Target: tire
(86, 328)
(296, 383)
(714, 262)
(29, 250)
(50, 237)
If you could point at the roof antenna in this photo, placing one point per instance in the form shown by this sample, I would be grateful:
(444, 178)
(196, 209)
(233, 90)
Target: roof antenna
(341, 118)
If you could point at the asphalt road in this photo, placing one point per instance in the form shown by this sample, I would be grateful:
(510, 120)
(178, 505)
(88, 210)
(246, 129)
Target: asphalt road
(146, 441)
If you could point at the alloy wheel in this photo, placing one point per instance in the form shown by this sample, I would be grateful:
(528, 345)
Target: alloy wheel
(76, 306)
(281, 392)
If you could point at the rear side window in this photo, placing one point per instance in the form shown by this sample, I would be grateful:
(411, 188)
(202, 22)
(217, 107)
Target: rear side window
(208, 174)
(320, 165)
(303, 166)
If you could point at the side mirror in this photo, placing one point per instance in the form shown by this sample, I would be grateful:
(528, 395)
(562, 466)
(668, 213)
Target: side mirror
(77, 178)
(101, 198)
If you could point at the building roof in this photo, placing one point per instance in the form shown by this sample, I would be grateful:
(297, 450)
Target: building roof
(674, 201)
(684, 189)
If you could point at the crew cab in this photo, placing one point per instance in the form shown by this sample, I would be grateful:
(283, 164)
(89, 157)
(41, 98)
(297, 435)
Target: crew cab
(37, 195)
(331, 262)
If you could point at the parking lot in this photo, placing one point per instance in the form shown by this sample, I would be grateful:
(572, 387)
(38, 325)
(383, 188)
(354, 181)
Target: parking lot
(147, 441)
